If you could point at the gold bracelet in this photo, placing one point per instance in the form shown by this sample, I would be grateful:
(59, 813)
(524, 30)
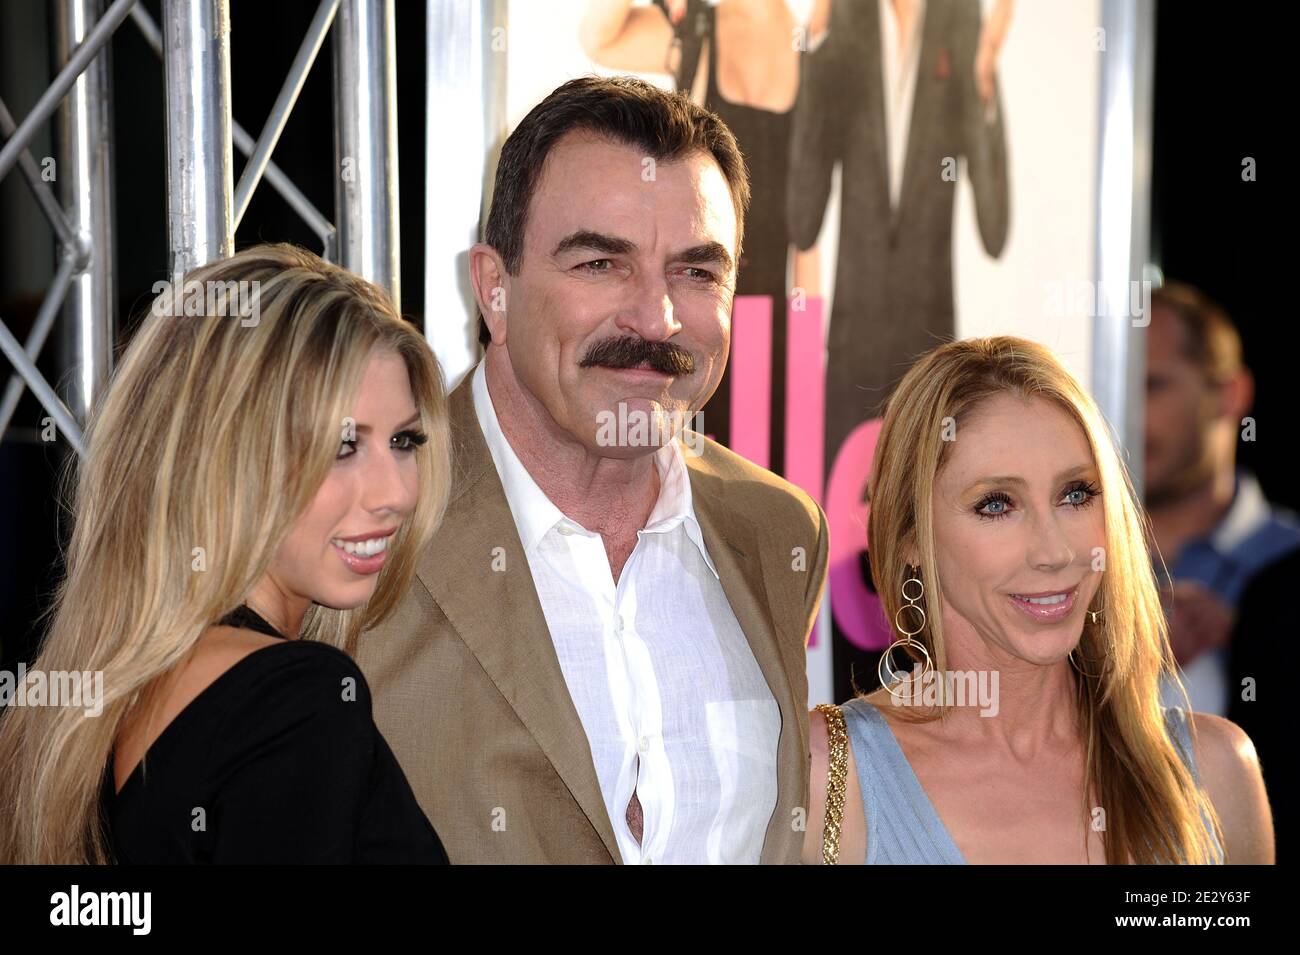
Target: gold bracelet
(837, 766)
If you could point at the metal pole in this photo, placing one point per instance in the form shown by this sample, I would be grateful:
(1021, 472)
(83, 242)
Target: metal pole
(467, 94)
(84, 175)
(196, 69)
(365, 142)
(1124, 223)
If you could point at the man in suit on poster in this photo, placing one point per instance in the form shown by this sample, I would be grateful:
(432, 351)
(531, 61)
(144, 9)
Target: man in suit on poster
(602, 659)
(896, 91)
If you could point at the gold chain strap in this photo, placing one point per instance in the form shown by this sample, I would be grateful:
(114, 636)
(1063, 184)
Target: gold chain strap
(837, 766)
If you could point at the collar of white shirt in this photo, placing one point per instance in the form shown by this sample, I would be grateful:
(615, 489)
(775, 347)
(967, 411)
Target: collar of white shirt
(535, 514)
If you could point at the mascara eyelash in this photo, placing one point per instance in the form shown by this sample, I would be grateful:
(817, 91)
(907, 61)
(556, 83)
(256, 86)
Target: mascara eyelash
(986, 500)
(1090, 488)
(416, 438)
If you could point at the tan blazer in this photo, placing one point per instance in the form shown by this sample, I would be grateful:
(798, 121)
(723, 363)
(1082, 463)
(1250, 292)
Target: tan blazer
(469, 692)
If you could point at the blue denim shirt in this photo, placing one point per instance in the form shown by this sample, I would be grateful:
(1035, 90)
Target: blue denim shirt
(1251, 535)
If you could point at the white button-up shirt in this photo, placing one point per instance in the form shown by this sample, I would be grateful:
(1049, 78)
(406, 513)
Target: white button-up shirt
(899, 71)
(673, 703)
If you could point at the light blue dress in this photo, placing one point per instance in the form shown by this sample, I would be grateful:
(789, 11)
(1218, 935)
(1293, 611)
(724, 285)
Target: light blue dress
(903, 827)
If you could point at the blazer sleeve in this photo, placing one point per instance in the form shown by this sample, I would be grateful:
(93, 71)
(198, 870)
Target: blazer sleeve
(294, 774)
(817, 578)
(984, 141)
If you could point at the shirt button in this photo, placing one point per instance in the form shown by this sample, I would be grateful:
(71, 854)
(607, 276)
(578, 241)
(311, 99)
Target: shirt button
(647, 861)
(643, 744)
(566, 529)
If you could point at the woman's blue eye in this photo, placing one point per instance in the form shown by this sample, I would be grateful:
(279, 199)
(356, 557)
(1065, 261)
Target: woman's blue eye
(997, 504)
(993, 505)
(1081, 495)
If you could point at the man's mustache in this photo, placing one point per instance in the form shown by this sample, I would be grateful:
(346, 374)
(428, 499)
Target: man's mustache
(629, 352)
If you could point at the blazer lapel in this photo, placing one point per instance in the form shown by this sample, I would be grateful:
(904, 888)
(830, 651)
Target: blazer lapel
(934, 71)
(497, 612)
(513, 644)
(872, 60)
(734, 545)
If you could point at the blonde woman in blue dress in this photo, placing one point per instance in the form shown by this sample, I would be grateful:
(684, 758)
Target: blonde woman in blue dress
(1020, 720)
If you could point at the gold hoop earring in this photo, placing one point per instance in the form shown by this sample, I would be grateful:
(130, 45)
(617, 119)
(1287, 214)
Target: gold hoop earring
(906, 643)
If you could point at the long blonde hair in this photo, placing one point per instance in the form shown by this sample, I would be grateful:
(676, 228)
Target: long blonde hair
(1154, 812)
(214, 436)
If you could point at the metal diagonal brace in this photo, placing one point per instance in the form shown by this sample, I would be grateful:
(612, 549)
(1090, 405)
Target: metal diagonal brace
(244, 143)
(54, 296)
(284, 103)
(49, 100)
(41, 388)
(41, 191)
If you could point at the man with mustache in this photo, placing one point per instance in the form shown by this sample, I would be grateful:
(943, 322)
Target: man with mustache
(602, 659)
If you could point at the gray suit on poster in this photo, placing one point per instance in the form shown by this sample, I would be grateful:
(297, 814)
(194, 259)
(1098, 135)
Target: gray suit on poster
(893, 277)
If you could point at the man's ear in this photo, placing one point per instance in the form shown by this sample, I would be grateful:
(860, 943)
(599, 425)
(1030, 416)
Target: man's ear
(1238, 396)
(487, 273)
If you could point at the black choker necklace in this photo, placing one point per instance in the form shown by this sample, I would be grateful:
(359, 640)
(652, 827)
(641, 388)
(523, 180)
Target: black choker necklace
(246, 617)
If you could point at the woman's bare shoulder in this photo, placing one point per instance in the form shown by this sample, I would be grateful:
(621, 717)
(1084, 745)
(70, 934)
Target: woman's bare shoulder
(1230, 772)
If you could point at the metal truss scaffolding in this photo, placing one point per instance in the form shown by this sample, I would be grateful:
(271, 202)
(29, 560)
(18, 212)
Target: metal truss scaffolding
(204, 207)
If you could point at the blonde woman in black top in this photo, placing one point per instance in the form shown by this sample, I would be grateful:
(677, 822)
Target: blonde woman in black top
(260, 476)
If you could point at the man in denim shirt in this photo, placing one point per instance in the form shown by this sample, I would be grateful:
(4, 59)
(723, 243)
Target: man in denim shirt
(1213, 526)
